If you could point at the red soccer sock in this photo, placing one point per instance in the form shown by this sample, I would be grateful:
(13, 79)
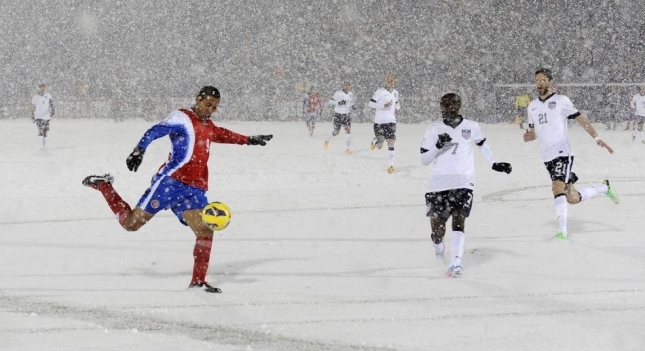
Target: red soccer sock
(202, 255)
(120, 208)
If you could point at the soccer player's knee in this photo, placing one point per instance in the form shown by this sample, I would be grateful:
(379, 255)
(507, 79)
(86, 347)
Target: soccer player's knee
(335, 132)
(437, 238)
(573, 197)
(380, 139)
(131, 227)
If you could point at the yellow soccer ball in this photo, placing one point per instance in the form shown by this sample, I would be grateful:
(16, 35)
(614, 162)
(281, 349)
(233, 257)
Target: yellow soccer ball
(216, 215)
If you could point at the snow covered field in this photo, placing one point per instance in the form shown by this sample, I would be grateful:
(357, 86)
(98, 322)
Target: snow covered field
(325, 251)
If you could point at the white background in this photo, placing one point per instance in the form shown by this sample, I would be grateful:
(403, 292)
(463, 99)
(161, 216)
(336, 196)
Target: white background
(325, 251)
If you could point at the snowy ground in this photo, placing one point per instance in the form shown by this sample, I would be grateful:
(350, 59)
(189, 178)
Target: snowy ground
(325, 251)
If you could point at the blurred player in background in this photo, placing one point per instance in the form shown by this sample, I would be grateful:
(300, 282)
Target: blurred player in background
(182, 181)
(638, 105)
(311, 108)
(448, 144)
(42, 110)
(343, 103)
(521, 102)
(385, 102)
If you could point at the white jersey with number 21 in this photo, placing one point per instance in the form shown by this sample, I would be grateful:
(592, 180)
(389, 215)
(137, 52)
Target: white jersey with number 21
(549, 117)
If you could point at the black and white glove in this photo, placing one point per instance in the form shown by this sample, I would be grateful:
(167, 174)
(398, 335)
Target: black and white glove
(259, 139)
(502, 167)
(443, 139)
(134, 160)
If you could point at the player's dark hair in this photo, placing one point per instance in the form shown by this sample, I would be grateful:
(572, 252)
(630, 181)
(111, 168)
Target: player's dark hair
(450, 102)
(208, 91)
(546, 72)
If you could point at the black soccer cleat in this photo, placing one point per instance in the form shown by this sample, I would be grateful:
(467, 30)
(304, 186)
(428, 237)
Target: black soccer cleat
(207, 287)
(93, 181)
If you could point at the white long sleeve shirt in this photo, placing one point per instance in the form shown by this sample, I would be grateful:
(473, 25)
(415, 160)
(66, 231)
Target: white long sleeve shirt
(342, 102)
(384, 114)
(454, 164)
(638, 103)
(42, 106)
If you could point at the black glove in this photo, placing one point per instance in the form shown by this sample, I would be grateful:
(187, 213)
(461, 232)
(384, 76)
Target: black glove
(502, 167)
(443, 139)
(136, 157)
(259, 139)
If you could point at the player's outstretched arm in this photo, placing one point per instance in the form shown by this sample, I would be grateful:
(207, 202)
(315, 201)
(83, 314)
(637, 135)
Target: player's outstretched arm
(588, 127)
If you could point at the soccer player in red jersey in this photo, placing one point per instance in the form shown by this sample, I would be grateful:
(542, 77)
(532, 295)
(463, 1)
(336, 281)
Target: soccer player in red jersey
(182, 181)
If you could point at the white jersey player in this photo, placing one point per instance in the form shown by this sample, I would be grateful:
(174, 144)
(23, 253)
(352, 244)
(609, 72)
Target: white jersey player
(448, 145)
(343, 103)
(385, 102)
(638, 104)
(547, 117)
(42, 109)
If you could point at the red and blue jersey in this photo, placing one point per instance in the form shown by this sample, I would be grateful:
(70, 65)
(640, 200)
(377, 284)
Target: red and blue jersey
(191, 138)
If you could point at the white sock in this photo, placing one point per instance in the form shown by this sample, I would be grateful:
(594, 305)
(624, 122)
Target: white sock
(589, 192)
(561, 211)
(457, 242)
(348, 141)
(438, 248)
(390, 155)
(331, 135)
(42, 141)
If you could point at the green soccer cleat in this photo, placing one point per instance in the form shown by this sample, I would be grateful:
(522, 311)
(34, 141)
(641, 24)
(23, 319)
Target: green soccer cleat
(561, 237)
(611, 193)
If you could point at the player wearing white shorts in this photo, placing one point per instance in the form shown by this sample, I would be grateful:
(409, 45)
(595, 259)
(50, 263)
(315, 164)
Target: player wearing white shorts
(448, 144)
(547, 117)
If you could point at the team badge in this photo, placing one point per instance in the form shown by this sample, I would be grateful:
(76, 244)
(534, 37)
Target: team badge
(465, 133)
(552, 105)
(154, 204)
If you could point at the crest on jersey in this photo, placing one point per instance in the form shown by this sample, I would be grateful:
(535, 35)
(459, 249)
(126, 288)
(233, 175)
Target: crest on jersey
(552, 105)
(465, 133)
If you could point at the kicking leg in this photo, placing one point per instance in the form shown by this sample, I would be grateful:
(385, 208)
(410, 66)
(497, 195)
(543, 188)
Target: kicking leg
(130, 220)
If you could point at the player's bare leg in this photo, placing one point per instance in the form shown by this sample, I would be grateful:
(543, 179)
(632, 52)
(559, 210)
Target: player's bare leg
(135, 219)
(573, 196)
(130, 220)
